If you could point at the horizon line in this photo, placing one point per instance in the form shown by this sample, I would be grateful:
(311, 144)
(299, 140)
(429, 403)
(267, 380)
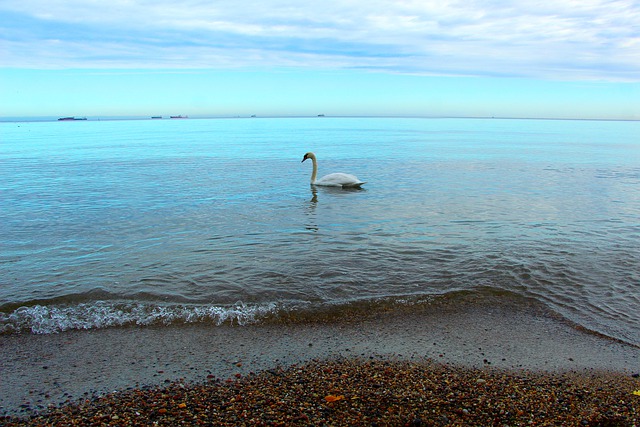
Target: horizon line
(47, 118)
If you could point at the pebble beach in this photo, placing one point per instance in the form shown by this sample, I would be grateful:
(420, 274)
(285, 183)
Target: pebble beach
(366, 392)
(478, 363)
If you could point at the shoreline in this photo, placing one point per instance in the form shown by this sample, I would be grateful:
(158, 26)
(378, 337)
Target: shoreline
(44, 371)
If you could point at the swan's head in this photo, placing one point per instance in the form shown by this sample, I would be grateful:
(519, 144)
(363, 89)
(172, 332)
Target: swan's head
(309, 155)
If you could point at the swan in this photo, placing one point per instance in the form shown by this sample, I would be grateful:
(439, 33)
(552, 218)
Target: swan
(333, 179)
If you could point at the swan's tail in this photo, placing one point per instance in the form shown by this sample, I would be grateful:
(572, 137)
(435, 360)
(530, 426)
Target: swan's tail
(356, 185)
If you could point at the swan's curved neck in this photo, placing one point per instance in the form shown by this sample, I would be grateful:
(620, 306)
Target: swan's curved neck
(314, 172)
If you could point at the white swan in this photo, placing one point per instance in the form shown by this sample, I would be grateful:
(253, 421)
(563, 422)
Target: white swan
(333, 179)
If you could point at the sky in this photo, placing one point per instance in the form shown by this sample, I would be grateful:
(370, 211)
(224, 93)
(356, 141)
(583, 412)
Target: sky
(432, 58)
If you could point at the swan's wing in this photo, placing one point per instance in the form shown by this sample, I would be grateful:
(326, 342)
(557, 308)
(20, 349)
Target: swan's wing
(339, 180)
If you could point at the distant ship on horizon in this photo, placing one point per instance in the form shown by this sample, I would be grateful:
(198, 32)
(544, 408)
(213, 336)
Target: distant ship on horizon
(179, 117)
(68, 119)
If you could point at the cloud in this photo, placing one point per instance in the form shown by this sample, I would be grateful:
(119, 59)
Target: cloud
(587, 39)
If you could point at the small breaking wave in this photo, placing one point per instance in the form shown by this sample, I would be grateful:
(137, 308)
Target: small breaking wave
(55, 317)
(49, 319)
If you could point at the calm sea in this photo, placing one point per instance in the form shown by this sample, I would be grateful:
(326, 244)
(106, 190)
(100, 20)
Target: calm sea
(108, 223)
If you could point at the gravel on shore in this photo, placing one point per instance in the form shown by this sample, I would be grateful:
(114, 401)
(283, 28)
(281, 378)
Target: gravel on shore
(361, 391)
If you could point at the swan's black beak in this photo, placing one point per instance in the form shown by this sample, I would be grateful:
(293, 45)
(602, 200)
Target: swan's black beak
(304, 158)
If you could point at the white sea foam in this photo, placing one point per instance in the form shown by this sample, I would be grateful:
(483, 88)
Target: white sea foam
(47, 319)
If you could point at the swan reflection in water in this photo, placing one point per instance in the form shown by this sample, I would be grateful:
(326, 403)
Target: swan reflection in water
(311, 211)
(313, 202)
(336, 191)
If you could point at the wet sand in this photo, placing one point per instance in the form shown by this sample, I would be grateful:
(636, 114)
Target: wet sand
(40, 372)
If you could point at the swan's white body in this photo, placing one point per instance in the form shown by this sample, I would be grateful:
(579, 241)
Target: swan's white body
(333, 179)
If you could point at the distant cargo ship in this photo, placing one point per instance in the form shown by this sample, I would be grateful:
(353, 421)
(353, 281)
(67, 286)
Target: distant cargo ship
(179, 117)
(68, 119)
(156, 117)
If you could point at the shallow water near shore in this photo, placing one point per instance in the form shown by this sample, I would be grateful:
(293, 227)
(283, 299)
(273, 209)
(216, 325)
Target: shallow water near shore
(152, 222)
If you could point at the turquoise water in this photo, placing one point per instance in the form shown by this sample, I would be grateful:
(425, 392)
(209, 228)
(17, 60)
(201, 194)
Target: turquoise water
(108, 223)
